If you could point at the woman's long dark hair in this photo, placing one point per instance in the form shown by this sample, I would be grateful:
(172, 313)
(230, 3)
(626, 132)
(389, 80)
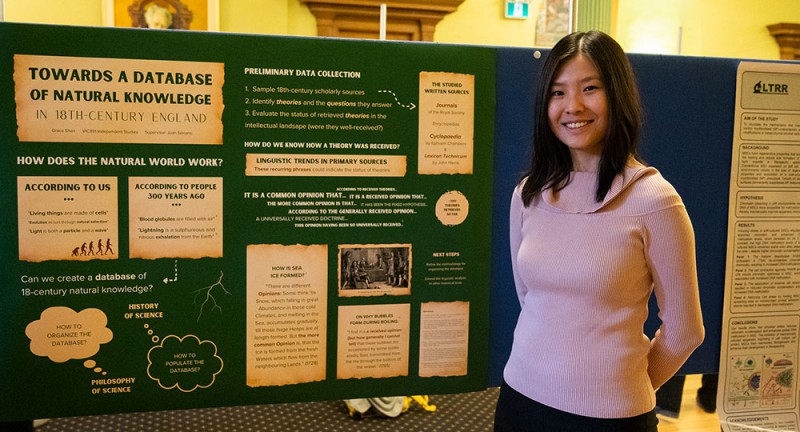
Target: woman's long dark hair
(551, 162)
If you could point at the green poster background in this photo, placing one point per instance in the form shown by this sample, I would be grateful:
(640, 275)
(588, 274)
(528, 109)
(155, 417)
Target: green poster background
(203, 301)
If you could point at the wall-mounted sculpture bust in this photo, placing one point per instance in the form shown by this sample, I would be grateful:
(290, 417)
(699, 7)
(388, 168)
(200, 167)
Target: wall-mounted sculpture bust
(160, 14)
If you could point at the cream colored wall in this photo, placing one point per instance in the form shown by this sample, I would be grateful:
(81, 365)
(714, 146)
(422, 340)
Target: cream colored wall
(254, 16)
(78, 12)
(302, 21)
(482, 22)
(716, 28)
(291, 17)
(723, 28)
(278, 17)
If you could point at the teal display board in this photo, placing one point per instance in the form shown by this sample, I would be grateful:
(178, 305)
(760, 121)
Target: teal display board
(198, 219)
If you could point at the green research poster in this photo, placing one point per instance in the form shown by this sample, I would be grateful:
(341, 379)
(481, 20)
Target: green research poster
(197, 219)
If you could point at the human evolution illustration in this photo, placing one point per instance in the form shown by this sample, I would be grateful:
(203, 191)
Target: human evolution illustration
(88, 249)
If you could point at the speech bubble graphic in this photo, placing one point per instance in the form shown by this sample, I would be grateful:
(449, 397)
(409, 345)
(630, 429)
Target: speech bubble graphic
(62, 334)
(186, 363)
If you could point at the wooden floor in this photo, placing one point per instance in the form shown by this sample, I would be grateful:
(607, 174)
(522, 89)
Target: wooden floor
(692, 418)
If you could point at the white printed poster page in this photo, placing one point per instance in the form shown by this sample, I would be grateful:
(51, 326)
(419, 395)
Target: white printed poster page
(67, 218)
(446, 122)
(286, 314)
(373, 341)
(758, 387)
(443, 339)
(108, 100)
(175, 217)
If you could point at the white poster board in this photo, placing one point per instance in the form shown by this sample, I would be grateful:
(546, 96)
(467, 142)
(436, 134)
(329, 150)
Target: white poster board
(761, 316)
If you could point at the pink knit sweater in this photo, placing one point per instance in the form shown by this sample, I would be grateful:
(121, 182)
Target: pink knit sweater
(584, 272)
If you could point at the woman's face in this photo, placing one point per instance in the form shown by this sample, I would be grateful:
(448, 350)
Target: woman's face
(578, 111)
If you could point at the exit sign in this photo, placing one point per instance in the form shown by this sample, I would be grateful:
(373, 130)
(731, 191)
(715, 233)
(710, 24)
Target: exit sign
(515, 9)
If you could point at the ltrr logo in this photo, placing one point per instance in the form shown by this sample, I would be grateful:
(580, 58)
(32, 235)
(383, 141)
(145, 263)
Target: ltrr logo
(771, 88)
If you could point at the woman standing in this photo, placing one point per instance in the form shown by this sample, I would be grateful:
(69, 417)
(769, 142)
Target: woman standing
(593, 233)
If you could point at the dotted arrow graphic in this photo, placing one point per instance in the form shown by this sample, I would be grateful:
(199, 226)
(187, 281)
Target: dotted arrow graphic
(409, 105)
(167, 280)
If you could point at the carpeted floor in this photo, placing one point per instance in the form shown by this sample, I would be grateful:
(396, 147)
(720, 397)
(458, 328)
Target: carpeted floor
(463, 412)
